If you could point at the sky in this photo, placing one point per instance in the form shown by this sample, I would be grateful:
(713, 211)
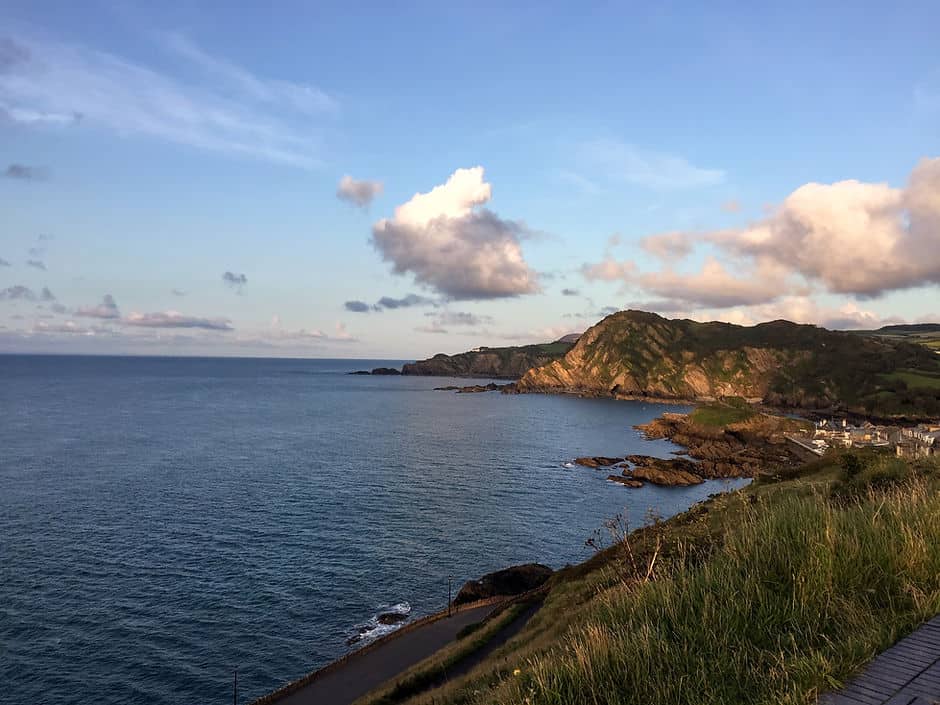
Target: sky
(397, 180)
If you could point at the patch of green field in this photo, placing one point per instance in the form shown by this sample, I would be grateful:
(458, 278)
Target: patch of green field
(915, 380)
(723, 413)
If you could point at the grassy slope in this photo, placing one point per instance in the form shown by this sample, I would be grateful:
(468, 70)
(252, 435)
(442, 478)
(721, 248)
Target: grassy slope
(767, 595)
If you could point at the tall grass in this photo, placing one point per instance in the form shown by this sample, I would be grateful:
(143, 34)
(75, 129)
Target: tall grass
(800, 593)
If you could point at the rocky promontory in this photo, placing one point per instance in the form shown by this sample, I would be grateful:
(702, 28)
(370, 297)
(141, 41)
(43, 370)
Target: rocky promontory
(472, 388)
(509, 581)
(496, 363)
(640, 355)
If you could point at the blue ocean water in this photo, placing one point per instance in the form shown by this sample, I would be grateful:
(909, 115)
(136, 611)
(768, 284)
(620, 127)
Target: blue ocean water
(164, 521)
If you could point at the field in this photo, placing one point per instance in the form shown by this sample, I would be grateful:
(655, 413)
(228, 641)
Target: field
(723, 413)
(916, 379)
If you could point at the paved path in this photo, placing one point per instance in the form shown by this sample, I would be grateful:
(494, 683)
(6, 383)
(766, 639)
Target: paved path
(906, 674)
(362, 673)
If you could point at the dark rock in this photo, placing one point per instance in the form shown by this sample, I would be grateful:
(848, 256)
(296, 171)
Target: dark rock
(597, 461)
(391, 618)
(359, 372)
(472, 388)
(510, 581)
(666, 476)
(625, 480)
(385, 371)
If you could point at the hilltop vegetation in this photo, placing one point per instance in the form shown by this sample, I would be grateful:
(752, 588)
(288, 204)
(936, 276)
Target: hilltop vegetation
(772, 594)
(504, 363)
(633, 353)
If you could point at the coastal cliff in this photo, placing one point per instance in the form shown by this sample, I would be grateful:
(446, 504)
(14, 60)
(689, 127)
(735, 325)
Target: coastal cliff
(638, 354)
(501, 363)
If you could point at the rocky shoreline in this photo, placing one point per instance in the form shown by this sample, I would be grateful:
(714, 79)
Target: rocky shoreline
(737, 450)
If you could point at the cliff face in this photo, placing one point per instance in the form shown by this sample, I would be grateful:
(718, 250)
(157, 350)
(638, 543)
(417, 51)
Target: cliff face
(633, 353)
(502, 363)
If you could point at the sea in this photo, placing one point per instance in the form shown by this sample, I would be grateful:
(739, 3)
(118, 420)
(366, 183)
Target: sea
(166, 522)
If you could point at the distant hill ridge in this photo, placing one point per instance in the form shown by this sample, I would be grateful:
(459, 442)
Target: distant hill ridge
(640, 354)
(501, 363)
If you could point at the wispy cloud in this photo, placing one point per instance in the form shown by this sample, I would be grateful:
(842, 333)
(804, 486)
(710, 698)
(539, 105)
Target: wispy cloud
(4, 263)
(621, 161)
(36, 264)
(45, 82)
(390, 302)
(24, 293)
(235, 281)
(24, 172)
(175, 319)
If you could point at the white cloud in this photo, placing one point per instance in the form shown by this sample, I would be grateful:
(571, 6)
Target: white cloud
(358, 192)
(849, 237)
(451, 245)
(852, 237)
(44, 82)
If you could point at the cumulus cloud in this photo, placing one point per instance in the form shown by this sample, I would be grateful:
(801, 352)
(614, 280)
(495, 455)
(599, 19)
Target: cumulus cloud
(849, 238)
(217, 106)
(236, 281)
(852, 237)
(107, 309)
(631, 164)
(452, 245)
(358, 192)
(24, 172)
(36, 264)
(175, 319)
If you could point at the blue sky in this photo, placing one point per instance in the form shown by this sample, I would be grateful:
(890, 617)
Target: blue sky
(723, 162)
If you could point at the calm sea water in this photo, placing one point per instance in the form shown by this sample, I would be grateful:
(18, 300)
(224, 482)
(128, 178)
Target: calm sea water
(165, 521)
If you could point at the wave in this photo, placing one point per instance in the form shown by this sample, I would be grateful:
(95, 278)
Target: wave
(386, 620)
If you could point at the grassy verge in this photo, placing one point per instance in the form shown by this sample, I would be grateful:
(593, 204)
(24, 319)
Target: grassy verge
(768, 595)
